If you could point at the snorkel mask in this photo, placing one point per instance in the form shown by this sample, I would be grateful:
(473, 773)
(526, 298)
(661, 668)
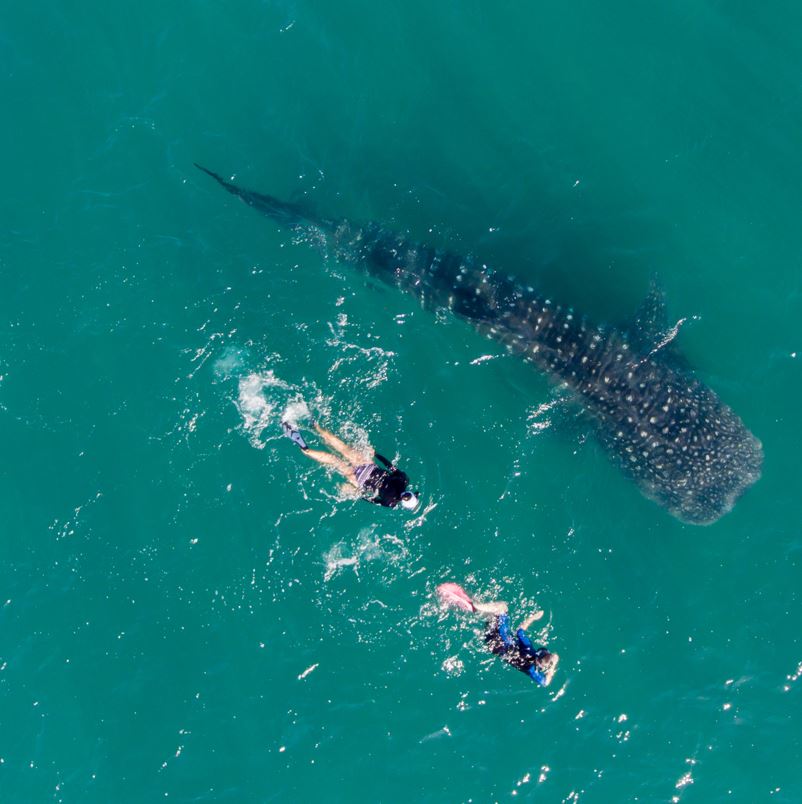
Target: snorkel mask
(410, 500)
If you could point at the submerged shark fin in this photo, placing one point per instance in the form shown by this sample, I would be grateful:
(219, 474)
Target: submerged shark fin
(650, 322)
(650, 331)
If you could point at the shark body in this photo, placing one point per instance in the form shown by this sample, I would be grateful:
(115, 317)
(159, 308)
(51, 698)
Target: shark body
(666, 429)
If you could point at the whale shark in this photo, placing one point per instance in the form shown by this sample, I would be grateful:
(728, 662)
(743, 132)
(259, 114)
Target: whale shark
(666, 429)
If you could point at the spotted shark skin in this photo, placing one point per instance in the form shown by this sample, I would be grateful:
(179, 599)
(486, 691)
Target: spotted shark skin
(667, 430)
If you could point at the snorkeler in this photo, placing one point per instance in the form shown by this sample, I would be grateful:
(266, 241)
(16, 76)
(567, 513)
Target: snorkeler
(538, 663)
(383, 485)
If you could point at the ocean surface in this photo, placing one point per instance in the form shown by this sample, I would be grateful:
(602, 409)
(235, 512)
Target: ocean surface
(189, 611)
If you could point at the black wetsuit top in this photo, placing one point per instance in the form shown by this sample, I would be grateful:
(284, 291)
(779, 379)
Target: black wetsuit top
(387, 484)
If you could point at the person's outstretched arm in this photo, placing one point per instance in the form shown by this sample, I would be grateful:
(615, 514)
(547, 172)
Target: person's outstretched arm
(495, 608)
(380, 457)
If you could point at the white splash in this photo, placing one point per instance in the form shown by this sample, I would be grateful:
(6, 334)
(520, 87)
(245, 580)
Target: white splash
(335, 562)
(669, 336)
(793, 677)
(537, 419)
(444, 732)
(419, 520)
(296, 411)
(387, 549)
(256, 410)
(230, 362)
(525, 779)
(308, 671)
(483, 359)
(684, 780)
(453, 666)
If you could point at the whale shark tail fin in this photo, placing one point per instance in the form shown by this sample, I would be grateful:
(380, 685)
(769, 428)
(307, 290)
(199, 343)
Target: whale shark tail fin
(286, 214)
(217, 177)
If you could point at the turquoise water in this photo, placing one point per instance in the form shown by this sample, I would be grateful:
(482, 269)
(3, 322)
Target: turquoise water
(188, 611)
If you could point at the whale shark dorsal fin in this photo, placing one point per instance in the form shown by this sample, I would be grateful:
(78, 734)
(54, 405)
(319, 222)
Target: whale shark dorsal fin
(648, 326)
(650, 331)
(650, 322)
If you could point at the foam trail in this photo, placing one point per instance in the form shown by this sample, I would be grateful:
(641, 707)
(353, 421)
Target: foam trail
(296, 411)
(230, 362)
(257, 410)
(387, 550)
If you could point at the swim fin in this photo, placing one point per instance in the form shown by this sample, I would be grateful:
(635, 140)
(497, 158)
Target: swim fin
(452, 595)
(294, 435)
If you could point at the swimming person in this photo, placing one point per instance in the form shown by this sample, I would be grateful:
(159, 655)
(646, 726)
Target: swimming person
(383, 485)
(537, 662)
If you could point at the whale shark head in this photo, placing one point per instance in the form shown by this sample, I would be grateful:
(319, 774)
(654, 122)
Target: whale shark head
(684, 447)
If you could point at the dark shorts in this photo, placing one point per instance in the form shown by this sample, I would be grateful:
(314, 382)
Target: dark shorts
(379, 486)
(366, 475)
(498, 636)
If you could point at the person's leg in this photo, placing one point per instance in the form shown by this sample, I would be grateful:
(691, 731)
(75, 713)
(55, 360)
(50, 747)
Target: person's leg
(496, 607)
(333, 462)
(353, 456)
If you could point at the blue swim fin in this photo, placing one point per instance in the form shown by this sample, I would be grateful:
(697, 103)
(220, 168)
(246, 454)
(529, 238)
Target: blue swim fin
(293, 435)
